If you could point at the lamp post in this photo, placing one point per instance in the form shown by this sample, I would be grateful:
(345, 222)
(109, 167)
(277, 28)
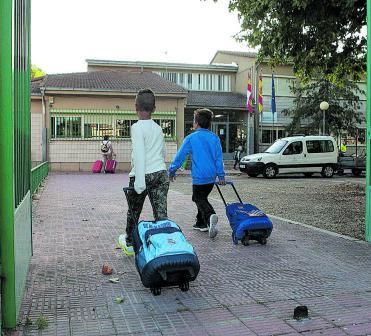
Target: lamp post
(324, 106)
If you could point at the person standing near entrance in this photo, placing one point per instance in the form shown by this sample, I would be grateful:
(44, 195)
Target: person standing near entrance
(207, 164)
(106, 150)
(343, 148)
(237, 156)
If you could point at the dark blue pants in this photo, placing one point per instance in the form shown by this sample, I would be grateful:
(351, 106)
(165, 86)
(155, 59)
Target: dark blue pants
(199, 196)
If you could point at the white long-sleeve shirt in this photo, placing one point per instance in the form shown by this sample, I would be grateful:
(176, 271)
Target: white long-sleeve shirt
(148, 154)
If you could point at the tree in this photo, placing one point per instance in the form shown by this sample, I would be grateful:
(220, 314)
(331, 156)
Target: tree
(311, 34)
(344, 104)
(36, 72)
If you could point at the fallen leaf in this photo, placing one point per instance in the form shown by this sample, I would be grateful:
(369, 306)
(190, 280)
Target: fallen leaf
(106, 270)
(118, 300)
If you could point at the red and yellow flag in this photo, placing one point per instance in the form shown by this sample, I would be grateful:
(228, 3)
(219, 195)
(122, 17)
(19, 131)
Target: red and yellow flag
(249, 93)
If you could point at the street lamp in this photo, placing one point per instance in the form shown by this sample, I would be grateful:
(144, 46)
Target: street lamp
(324, 106)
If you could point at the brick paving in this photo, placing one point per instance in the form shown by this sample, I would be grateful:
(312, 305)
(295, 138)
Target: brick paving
(240, 290)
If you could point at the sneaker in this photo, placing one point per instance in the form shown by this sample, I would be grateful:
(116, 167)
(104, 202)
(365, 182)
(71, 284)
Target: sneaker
(213, 231)
(125, 245)
(200, 227)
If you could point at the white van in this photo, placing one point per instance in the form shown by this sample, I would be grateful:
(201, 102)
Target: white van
(298, 154)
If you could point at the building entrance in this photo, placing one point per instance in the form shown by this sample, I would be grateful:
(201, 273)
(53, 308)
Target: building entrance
(230, 127)
(221, 130)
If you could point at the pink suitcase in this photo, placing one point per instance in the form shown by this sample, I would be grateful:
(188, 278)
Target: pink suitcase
(97, 166)
(110, 166)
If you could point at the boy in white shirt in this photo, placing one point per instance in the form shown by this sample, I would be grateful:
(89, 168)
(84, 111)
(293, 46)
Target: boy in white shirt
(148, 174)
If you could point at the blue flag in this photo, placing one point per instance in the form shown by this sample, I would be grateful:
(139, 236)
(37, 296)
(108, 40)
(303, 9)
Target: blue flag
(273, 104)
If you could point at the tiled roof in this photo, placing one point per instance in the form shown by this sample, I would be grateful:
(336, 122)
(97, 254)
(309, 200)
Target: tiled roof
(116, 81)
(216, 99)
(250, 54)
(35, 85)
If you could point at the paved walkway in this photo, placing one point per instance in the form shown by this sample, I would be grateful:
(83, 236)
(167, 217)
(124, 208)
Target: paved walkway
(240, 290)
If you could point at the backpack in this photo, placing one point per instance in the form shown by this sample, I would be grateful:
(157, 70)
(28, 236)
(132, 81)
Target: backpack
(105, 146)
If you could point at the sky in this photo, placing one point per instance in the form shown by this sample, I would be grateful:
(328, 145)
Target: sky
(66, 33)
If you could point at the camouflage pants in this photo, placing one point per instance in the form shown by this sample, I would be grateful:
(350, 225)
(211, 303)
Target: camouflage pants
(157, 188)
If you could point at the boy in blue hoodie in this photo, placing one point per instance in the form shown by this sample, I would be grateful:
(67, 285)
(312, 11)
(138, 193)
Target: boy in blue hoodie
(207, 164)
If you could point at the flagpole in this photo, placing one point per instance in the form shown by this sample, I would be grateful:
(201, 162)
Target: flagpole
(249, 109)
(260, 106)
(261, 130)
(273, 104)
(247, 134)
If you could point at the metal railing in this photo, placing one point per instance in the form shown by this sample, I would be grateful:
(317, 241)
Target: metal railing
(94, 124)
(38, 174)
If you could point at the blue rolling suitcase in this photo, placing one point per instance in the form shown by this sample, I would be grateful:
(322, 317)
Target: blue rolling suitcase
(163, 256)
(246, 220)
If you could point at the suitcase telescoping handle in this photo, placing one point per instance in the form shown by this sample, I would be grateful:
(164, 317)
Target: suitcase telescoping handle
(126, 191)
(234, 188)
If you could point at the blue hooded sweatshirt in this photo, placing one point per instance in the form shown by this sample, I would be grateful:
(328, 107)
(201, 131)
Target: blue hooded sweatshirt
(207, 157)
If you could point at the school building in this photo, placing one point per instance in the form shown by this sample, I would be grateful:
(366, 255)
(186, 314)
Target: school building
(70, 113)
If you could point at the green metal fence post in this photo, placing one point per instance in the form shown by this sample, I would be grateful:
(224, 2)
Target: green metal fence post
(368, 121)
(7, 257)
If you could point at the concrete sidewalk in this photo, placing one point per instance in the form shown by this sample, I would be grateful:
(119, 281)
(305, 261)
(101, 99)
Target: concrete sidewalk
(240, 290)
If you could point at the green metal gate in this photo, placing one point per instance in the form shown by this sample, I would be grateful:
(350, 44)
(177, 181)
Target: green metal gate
(15, 169)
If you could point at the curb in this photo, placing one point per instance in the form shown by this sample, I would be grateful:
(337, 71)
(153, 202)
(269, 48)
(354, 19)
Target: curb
(331, 233)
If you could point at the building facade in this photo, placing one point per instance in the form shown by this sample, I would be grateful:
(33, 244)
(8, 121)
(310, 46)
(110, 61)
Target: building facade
(72, 112)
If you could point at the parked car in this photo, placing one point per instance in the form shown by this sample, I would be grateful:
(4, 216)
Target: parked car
(357, 164)
(298, 154)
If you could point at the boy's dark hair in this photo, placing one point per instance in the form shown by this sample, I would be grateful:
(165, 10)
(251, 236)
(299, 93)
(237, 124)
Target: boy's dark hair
(145, 100)
(106, 137)
(203, 117)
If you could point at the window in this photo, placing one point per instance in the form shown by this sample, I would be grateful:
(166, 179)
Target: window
(123, 128)
(168, 127)
(188, 128)
(294, 148)
(97, 130)
(220, 83)
(319, 146)
(276, 147)
(269, 136)
(189, 77)
(172, 77)
(65, 127)
(181, 79)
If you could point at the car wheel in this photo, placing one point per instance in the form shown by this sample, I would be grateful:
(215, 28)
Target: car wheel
(270, 171)
(308, 174)
(327, 171)
(252, 174)
(356, 171)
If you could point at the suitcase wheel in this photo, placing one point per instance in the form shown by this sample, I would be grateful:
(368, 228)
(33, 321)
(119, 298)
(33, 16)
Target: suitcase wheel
(156, 291)
(245, 240)
(263, 240)
(234, 239)
(184, 287)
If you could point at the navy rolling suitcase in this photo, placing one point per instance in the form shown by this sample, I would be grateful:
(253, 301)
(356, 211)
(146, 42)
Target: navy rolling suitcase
(246, 220)
(163, 256)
